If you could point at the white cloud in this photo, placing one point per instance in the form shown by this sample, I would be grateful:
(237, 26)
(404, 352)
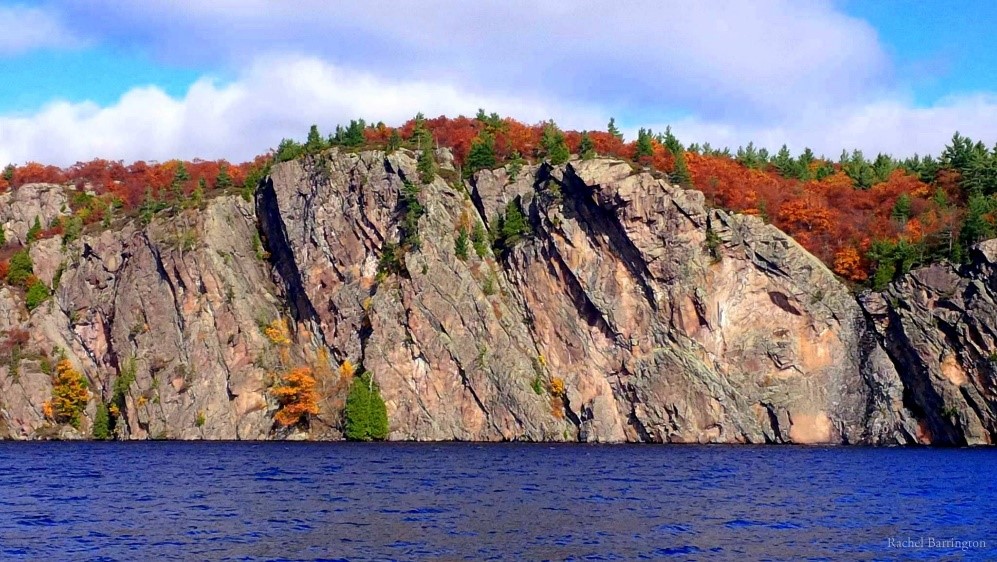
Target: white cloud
(719, 59)
(274, 98)
(771, 71)
(889, 125)
(25, 29)
(281, 96)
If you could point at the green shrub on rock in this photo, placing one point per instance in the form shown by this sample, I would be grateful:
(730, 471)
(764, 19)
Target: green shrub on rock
(366, 415)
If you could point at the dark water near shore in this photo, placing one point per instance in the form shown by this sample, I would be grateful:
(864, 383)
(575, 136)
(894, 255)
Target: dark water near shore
(299, 501)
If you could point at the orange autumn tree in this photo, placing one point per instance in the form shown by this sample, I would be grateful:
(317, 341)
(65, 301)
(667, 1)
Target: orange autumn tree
(70, 395)
(297, 397)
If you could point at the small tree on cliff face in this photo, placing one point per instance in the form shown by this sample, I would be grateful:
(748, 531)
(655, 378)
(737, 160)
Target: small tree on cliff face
(70, 395)
(427, 165)
(366, 414)
(296, 396)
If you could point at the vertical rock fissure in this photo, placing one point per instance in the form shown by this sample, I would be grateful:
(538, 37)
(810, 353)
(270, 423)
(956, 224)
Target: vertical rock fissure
(271, 225)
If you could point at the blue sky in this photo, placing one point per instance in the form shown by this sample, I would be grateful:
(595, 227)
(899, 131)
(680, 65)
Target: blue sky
(159, 79)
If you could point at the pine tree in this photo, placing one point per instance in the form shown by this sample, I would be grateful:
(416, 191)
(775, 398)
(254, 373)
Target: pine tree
(460, 244)
(644, 146)
(681, 173)
(35, 230)
(586, 147)
(3, 237)
(901, 209)
(479, 239)
(420, 134)
(554, 144)
(197, 197)
(354, 137)
(180, 178)
(514, 225)
(427, 165)
(671, 142)
(611, 129)
(394, 141)
(102, 423)
(482, 154)
(223, 180)
(366, 414)
(20, 268)
(413, 211)
(314, 143)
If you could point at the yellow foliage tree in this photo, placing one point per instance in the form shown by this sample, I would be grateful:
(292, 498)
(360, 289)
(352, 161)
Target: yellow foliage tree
(346, 371)
(277, 332)
(69, 395)
(557, 387)
(296, 395)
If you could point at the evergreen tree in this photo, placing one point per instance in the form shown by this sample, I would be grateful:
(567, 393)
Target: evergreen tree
(514, 225)
(427, 165)
(671, 142)
(394, 141)
(980, 173)
(314, 143)
(287, 150)
(420, 134)
(223, 180)
(681, 174)
(35, 230)
(554, 144)
(611, 129)
(586, 148)
(482, 154)
(858, 169)
(413, 211)
(958, 153)
(102, 423)
(750, 158)
(460, 244)
(479, 239)
(336, 138)
(366, 414)
(3, 237)
(976, 226)
(901, 209)
(353, 136)
(197, 197)
(644, 147)
(20, 268)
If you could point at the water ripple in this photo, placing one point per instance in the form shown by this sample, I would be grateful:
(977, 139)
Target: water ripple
(309, 501)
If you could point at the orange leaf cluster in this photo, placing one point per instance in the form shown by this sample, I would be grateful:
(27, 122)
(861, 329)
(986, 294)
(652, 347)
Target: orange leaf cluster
(297, 397)
(830, 217)
(69, 395)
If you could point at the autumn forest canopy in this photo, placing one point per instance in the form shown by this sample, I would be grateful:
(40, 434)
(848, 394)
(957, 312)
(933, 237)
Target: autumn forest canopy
(869, 219)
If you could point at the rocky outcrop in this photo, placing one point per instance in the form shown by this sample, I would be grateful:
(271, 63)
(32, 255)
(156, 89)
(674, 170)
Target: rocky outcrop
(170, 309)
(624, 310)
(663, 321)
(938, 326)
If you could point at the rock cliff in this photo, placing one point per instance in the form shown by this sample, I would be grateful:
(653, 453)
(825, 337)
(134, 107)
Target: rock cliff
(625, 309)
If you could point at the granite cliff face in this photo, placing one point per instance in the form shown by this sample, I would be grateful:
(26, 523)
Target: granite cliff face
(940, 324)
(628, 311)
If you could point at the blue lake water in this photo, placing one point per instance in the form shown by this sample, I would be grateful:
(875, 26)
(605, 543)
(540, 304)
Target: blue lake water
(309, 501)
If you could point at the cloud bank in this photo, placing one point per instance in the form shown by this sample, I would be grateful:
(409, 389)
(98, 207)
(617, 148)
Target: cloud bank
(726, 72)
